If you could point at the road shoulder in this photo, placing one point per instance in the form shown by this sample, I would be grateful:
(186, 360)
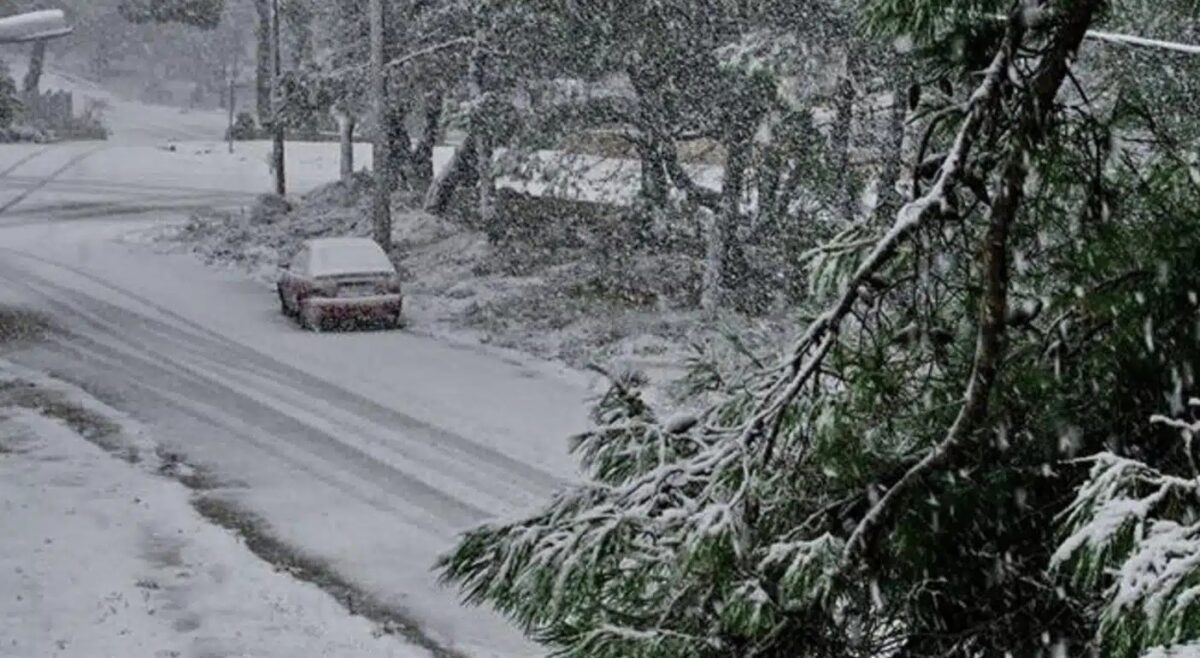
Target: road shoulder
(106, 557)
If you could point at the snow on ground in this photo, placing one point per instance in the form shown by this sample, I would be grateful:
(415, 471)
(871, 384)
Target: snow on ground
(371, 451)
(128, 121)
(457, 288)
(368, 451)
(110, 560)
(203, 174)
(557, 304)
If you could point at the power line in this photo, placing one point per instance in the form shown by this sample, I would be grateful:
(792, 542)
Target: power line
(1142, 42)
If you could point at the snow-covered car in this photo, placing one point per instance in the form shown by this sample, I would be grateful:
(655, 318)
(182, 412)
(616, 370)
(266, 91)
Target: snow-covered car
(340, 281)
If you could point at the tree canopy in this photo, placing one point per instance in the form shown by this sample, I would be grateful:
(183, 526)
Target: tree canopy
(199, 13)
(899, 481)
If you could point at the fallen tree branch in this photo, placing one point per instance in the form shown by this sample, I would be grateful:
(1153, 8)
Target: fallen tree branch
(821, 333)
(989, 349)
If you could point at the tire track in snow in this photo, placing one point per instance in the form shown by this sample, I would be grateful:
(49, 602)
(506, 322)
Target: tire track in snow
(48, 179)
(244, 356)
(431, 484)
(88, 185)
(24, 159)
(155, 382)
(432, 459)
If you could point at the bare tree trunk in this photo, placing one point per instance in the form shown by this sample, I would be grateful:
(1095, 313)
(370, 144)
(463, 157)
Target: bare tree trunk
(711, 288)
(346, 126)
(232, 99)
(843, 124)
(722, 233)
(399, 141)
(300, 17)
(654, 187)
(483, 147)
(889, 199)
(461, 171)
(385, 179)
(278, 156)
(264, 71)
(37, 63)
(487, 188)
(421, 159)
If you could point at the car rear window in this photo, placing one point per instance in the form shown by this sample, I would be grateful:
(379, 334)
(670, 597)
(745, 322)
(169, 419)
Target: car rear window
(349, 258)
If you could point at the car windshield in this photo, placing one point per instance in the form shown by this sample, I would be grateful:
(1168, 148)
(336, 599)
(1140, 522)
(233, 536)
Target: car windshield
(349, 258)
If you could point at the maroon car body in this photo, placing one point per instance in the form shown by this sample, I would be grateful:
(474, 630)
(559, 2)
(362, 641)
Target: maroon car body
(340, 281)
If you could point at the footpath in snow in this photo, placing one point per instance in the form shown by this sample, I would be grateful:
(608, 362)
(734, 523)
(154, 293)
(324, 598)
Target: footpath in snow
(100, 556)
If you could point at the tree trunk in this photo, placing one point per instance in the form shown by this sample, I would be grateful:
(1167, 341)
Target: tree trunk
(483, 148)
(711, 288)
(37, 63)
(460, 171)
(264, 71)
(889, 199)
(421, 160)
(346, 126)
(722, 234)
(654, 188)
(385, 177)
(399, 141)
(650, 148)
(278, 157)
(487, 189)
(843, 124)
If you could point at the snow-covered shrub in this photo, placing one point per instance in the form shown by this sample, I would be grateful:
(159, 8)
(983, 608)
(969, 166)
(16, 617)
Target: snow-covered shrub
(1133, 537)
(10, 103)
(243, 128)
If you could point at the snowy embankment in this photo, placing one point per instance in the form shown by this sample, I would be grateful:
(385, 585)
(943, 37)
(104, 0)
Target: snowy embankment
(108, 558)
(552, 297)
(462, 289)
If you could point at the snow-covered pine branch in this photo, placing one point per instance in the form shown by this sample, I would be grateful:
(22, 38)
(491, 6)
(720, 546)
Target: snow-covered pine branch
(1132, 535)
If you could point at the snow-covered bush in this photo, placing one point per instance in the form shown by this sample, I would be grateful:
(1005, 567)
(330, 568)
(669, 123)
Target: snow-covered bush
(1133, 539)
(10, 103)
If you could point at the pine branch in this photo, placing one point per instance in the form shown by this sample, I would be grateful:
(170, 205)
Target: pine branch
(989, 349)
(817, 341)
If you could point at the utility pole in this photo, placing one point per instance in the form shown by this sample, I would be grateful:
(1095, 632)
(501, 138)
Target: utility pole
(37, 62)
(381, 211)
(233, 73)
(232, 70)
(277, 152)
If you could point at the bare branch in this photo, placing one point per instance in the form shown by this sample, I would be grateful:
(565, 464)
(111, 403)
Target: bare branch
(430, 50)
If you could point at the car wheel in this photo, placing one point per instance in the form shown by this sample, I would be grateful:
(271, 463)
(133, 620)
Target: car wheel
(310, 318)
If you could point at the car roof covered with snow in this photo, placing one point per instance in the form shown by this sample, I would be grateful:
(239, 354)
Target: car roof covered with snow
(339, 256)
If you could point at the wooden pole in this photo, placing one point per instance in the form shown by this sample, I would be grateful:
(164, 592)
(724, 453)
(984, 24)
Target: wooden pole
(232, 100)
(277, 152)
(381, 212)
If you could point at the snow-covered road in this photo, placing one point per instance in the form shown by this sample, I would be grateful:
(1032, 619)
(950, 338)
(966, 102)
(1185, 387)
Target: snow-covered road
(370, 450)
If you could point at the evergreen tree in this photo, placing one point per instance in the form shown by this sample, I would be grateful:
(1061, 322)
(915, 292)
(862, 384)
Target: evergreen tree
(892, 486)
